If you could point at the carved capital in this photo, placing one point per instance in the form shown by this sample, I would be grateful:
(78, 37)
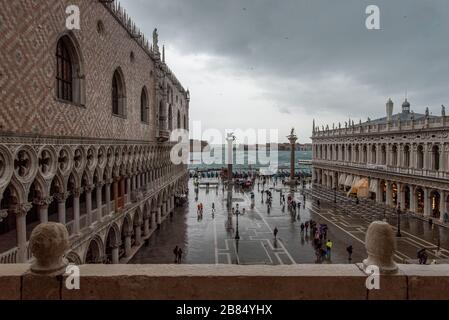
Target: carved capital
(77, 192)
(3, 214)
(21, 209)
(43, 202)
(61, 197)
(128, 233)
(89, 188)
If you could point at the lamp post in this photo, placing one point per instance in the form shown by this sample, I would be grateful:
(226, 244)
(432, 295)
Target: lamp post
(335, 194)
(398, 212)
(237, 213)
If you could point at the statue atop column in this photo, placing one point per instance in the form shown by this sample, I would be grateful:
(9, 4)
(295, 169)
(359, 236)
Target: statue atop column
(155, 41)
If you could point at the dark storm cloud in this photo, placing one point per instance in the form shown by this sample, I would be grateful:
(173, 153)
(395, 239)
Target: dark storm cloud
(323, 43)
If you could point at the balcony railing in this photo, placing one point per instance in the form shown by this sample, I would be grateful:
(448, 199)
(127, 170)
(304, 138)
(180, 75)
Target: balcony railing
(163, 135)
(391, 169)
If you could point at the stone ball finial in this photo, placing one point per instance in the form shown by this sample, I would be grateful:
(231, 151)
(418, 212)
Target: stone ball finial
(48, 243)
(380, 245)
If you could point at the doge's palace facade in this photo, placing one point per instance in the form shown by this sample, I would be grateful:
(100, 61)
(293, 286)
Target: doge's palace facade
(404, 157)
(85, 120)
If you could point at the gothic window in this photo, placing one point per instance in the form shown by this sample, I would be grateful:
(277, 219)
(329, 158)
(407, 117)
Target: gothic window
(170, 118)
(64, 72)
(144, 106)
(118, 94)
(178, 120)
(69, 71)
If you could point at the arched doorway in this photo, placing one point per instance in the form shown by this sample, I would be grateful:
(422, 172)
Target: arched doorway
(394, 193)
(112, 244)
(383, 189)
(435, 204)
(419, 196)
(94, 252)
(406, 191)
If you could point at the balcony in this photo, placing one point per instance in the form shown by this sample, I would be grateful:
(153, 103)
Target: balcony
(384, 168)
(163, 135)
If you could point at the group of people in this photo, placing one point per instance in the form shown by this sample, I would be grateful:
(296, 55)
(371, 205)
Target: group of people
(177, 251)
(422, 256)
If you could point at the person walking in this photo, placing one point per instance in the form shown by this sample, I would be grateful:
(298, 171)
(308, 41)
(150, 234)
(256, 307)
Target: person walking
(328, 248)
(349, 251)
(179, 255)
(175, 252)
(302, 227)
(306, 225)
(275, 232)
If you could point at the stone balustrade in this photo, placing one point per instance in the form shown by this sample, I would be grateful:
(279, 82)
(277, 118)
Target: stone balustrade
(203, 282)
(45, 278)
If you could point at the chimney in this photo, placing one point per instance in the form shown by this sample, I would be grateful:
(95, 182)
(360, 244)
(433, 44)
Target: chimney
(389, 110)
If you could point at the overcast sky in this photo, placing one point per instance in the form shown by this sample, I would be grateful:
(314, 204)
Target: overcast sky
(280, 63)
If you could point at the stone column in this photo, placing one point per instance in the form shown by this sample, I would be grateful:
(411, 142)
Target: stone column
(108, 196)
(389, 194)
(128, 189)
(378, 154)
(115, 254)
(134, 182)
(401, 156)
(138, 181)
(379, 193)
(88, 191)
(61, 198)
(153, 219)
(426, 159)
(138, 233)
(146, 225)
(159, 217)
(99, 186)
(115, 191)
(76, 211)
(412, 199)
(389, 151)
(21, 211)
(414, 156)
(42, 205)
(441, 160)
(128, 235)
(401, 195)
(443, 195)
(427, 208)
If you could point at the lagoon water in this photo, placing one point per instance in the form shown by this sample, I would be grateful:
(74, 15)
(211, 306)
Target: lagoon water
(247, 160)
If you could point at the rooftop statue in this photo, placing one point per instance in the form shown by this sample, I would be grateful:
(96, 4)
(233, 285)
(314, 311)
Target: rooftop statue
(155, 39)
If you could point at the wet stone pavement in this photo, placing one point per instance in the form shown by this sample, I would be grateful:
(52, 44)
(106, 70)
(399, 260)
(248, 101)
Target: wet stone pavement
(211, 240)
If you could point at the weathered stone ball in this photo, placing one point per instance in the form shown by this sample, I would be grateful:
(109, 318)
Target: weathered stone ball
(380, 245)
(380, 240)
(48, 243)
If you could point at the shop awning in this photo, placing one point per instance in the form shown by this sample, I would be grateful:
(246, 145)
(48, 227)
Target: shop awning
(360, 187)
(373, 185)
(342, 179)
(348, 181)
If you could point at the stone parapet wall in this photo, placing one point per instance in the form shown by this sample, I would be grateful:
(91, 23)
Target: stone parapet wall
(296, 282)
